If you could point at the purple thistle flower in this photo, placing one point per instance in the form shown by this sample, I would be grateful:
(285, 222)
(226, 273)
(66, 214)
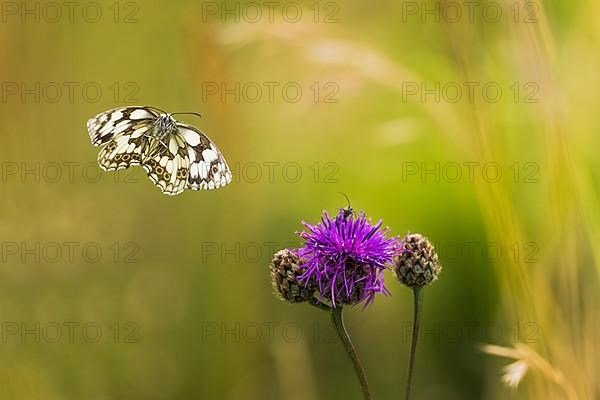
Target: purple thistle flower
(347, 256)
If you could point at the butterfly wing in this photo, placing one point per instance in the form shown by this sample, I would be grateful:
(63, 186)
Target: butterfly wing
(109, 124)
(167, 163)
(124, 150)
(208, 168)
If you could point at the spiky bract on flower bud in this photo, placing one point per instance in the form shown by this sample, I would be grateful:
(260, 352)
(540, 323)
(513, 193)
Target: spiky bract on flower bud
(419, 264)
(285, 273)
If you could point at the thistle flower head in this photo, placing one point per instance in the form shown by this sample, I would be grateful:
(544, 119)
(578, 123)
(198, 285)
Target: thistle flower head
(346, 256)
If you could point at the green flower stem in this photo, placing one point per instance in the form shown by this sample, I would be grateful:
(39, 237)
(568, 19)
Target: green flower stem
(338, 322)
(319, 304)
(418, 305)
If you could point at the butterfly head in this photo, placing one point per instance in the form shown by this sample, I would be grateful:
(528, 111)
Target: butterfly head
(164, 124)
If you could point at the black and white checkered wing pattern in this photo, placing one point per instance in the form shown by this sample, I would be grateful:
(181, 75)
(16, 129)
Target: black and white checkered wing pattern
(125, 132)
(167, 164)
(120, 121)
(208, 168)
(122, 152)
(176, 156)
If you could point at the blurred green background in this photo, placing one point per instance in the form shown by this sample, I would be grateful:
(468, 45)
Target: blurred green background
(178, 305)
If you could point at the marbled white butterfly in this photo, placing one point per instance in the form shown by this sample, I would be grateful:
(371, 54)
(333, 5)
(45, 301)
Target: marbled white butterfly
(175, 155)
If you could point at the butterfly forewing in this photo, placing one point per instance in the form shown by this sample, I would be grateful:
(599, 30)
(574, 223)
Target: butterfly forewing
(105, 126)
(208, 168)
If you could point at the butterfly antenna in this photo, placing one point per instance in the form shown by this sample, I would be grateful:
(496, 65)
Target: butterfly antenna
(157, 109)
(188, 113)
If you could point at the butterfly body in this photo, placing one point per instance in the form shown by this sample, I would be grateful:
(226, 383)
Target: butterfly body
(164, 125)
(176, 155)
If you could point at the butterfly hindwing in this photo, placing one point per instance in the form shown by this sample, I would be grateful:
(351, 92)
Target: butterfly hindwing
(208, 168)
(122, 151)
(168, 164)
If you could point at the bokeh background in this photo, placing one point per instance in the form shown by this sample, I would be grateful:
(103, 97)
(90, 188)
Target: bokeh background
(178, 305)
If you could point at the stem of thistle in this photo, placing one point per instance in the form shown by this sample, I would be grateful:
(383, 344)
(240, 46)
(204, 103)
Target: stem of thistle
(338, 322)
(418, 305)
(319, 304)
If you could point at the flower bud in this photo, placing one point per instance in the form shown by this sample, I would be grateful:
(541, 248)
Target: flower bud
(285, 271)
(418, 265)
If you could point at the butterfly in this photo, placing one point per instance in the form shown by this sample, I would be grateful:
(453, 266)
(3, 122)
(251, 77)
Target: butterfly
(176, 155)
